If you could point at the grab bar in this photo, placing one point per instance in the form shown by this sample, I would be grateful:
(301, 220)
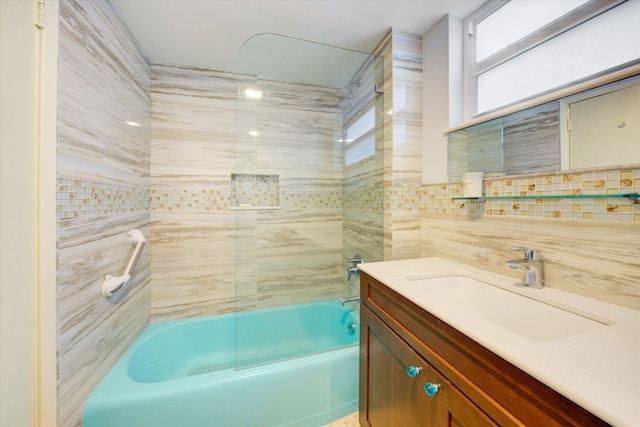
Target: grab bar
(113, 284)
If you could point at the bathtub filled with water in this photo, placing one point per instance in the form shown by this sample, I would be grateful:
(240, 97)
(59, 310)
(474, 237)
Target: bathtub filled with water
(286, 366)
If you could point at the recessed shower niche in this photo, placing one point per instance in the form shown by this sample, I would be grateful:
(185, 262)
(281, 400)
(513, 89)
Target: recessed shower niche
(250, 191)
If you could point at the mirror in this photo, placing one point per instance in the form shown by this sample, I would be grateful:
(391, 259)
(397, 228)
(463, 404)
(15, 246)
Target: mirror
(593, 129)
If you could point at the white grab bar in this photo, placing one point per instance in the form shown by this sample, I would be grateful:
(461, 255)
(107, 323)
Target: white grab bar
(113, 284)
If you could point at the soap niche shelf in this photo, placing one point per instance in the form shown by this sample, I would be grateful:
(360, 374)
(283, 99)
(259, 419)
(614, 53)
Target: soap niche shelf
(632, 196)
(254, 192)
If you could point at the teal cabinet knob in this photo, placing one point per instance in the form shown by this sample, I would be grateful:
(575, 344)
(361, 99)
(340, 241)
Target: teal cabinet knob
(412, 371)
(431, 389)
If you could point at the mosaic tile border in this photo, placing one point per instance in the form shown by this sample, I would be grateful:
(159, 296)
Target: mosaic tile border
(189, 200)
(369, 200)
(403, 197)
(219, 200)
(438, 198)
(328, 199)
(77, 198)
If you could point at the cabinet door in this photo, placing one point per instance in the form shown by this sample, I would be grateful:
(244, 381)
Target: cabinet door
(448, 407)
(389, 396)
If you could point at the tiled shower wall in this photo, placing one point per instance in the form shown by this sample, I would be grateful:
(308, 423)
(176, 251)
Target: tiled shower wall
(198, 265)
(200, 248)
(192, 228)
(103, 191)
(402, 53)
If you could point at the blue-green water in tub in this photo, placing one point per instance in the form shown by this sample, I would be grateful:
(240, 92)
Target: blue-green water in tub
(296, 366)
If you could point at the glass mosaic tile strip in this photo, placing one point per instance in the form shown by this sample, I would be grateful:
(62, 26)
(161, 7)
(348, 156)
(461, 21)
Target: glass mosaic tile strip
(76, 198)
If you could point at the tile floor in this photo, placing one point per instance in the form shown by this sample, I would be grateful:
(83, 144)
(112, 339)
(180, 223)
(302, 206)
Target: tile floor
(348, 421)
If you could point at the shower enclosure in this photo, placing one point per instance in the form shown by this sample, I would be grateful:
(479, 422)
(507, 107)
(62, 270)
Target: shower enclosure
(308, 186)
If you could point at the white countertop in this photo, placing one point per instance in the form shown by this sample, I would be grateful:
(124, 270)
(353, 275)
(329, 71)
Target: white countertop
(599, 369)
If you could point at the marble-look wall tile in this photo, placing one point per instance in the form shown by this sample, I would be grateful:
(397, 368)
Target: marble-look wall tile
(299, 255)
(208, 259)
(596, 259)
(103, 83)
(103, 191)
(299, 247)
(192, 158)
(193, 257)
(94, 332)
(402, 53)
(407, 107)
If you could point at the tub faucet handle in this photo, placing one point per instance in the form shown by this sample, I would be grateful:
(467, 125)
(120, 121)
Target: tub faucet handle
(352, 271)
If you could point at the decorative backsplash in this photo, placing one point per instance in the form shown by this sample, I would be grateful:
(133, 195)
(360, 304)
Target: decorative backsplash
(437, 198)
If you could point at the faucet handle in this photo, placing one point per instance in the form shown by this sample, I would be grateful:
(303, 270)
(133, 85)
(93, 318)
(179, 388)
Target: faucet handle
(529, 254)
(355, 261)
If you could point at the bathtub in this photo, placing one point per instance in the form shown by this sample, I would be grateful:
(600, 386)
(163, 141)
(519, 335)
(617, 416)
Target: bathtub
(195, 372)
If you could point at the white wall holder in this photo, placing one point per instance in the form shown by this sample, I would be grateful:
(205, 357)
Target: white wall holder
(112, 284)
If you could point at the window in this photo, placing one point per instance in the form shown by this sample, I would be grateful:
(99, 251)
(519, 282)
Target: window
(515, 20)
(360, 138)
(521, 49)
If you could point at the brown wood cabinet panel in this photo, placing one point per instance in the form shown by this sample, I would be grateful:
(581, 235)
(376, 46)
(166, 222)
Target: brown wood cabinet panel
(450, 408)
(392, 398)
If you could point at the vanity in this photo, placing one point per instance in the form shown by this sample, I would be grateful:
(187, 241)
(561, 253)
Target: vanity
(446, 344)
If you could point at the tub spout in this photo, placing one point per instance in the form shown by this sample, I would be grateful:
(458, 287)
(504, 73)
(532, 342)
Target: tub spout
(354, 298)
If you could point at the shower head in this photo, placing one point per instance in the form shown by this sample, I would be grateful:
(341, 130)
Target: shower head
(344, 93)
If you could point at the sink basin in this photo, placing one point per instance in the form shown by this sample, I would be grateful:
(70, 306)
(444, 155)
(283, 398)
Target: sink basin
(517, 310)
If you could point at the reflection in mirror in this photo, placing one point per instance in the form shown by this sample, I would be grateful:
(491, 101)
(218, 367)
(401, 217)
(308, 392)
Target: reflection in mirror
(477, 148)
(597, 128)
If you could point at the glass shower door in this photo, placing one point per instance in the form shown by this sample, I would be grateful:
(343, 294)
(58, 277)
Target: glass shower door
(301, 209)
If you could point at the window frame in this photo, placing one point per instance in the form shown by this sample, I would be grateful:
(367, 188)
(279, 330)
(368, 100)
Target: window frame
(355, 143)
(473, 68)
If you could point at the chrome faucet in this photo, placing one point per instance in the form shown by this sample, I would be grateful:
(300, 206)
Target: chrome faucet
(354, 270)
(354, 298)
(532, 266)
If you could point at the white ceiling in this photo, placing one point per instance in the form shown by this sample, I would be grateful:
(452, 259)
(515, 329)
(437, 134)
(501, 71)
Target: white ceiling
(209, 33)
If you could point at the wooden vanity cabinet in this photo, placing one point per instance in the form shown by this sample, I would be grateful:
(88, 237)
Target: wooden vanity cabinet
(476, 387)
(395, 398)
